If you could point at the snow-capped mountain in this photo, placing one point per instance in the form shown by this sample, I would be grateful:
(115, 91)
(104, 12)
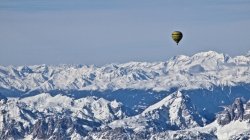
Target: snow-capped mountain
(204, 96)
(234, 130)
(202, 70)
(174, 112)
(42, 115)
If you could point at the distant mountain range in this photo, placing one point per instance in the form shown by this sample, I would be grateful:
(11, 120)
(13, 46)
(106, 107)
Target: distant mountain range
(204, 96)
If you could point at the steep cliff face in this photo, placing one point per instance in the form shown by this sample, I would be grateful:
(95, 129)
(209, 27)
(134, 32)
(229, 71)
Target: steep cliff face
(247, 111)
(174, 112)
(236, 111)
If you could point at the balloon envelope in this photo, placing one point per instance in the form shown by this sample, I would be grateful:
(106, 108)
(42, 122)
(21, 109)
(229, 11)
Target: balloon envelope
(177, 36)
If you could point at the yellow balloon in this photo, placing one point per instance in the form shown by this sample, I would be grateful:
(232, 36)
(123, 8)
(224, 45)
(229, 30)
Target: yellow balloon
(177, 36)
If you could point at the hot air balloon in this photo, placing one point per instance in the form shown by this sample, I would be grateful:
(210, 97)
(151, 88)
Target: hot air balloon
(177, 36)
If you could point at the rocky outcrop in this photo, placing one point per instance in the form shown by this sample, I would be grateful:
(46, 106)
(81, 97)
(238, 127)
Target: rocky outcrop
(247, 111)
(56, 128)
(224, 117)
(236, 111)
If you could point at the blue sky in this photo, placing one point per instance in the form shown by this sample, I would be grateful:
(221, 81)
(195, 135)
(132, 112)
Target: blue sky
(100, 32)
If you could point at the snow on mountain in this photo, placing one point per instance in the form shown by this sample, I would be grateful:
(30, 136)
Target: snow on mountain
(182, 98)
(42, 115)
(236, 126)
(180, 110)
(201, 70)
(234, 130)
(171, 113)
(89, 108)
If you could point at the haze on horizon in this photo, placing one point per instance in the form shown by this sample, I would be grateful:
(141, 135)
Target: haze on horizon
(101, 32)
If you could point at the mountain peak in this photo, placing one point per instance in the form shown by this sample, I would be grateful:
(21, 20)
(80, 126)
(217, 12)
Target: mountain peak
(174, 98)
(208, 53)
(173, 112)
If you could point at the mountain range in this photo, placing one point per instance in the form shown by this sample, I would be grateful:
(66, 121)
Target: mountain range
(204, 96)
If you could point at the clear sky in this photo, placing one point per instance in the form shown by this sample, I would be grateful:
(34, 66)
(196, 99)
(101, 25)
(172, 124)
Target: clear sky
(115, 31)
